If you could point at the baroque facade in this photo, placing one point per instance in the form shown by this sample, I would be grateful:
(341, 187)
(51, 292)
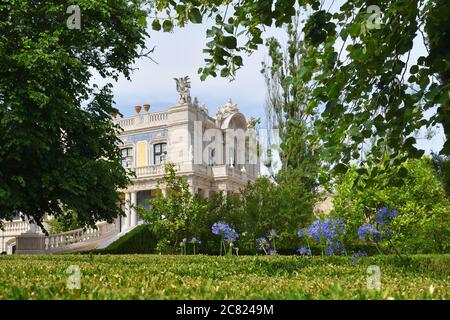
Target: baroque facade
(207, 150)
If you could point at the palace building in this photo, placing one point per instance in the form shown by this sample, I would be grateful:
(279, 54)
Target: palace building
(207, 150)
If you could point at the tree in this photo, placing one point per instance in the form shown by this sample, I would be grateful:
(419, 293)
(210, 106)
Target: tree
(58, 144)
(288, 108)
(171, 217)
(370, 104)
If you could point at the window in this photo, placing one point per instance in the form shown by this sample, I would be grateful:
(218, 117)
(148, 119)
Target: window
(127, 157)
(159, 153)
(212, 156)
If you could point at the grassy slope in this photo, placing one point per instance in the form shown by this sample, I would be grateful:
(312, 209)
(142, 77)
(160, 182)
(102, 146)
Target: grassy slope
(203, 277)
(138, 240)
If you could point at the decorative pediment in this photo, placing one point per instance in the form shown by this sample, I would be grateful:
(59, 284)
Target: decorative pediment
(227, 109)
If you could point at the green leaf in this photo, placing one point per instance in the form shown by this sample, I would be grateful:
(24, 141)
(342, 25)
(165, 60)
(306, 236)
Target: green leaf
(195, 16)
(167, 25)
(229, 42)
(340, 168)
(156, 25)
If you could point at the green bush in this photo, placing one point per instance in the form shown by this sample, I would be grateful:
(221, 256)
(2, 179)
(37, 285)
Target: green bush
(423, 224)
(285, 206)
(139, 240)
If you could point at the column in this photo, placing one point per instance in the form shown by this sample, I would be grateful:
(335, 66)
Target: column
(133, 221)
(126, 219)
(164, 192)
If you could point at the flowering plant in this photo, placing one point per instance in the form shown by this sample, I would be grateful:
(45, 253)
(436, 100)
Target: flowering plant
(228, 236)
(327, 233)
(268, 243)
(379, 229)
(195, 241)
(183, 246)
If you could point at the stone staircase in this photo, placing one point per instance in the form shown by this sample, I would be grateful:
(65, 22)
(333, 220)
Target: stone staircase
(68, 242)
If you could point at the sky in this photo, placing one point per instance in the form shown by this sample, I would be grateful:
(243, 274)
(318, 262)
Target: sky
(179, 54)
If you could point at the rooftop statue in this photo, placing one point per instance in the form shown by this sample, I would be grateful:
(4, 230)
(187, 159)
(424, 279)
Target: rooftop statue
(183, 86)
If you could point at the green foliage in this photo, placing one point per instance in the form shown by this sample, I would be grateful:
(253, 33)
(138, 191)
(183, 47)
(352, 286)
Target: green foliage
(288, 106)
(66, 222)
(258, 207)
(58, 144)
(202, 277)
(172, 216)
(139, 240)
(423, 223)
(369, 102)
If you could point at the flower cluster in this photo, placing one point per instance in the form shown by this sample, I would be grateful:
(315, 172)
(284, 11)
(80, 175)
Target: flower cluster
(304, 251)
(267, 243)
(368, 231)
(195, 241)
(327, 233)
(263, 244)
(220, 228)
(357, 255)
(334, 247)
(385, 216)
(327, 230)
(377, 233)
(228, 234)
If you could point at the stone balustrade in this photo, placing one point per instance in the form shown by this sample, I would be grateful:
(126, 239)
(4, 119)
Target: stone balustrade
(187, 167)
(14, 227)
(143, 120)
(77, 236)
(147, 171)
(38, 243)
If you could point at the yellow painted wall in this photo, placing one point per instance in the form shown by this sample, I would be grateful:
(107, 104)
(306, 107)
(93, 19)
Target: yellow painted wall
(142, 154)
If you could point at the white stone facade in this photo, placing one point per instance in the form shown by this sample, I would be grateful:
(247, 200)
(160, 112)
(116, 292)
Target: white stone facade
(198, 144)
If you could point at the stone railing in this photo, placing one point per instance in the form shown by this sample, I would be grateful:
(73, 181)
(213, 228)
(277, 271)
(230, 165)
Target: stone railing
(157, 169)
(15, 227)
(64, 239)
(145, 119)
(188, 167)
(74, 240)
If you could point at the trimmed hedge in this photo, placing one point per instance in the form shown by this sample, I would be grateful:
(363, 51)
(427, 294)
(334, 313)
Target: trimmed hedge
(139, 240)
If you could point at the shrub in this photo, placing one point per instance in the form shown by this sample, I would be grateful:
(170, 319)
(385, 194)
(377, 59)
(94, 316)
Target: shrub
(139, 240)
(422, 225)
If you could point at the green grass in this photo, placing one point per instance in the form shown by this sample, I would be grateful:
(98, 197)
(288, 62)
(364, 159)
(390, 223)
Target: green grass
(206, 277)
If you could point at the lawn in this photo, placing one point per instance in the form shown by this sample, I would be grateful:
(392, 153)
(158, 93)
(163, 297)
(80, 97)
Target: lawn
(206, 277)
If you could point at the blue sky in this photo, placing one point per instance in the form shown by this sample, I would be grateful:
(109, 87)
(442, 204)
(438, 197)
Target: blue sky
(180, 53)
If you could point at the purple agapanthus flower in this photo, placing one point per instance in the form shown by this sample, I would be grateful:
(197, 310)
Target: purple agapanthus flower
(263, 244)
(304, 251)
(367, 230)
(301, 233)
(230, 236)
(220, 228)
(385, 215)
(327, 230)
